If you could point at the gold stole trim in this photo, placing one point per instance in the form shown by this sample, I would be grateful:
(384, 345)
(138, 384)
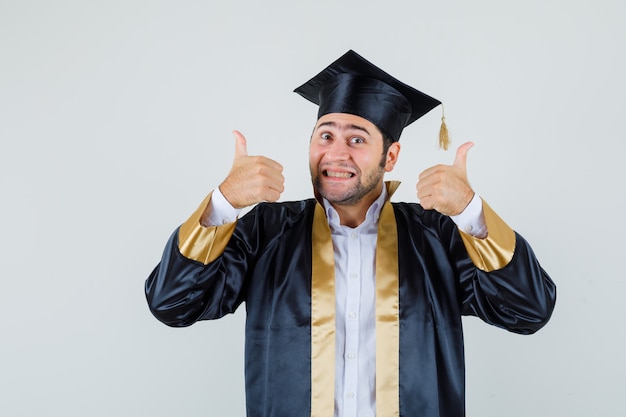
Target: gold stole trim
(496, 250)
(322, 318)
(387, 316)
(203, 244)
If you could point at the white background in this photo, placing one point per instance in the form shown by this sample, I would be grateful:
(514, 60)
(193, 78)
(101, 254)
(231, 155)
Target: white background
(116, 120)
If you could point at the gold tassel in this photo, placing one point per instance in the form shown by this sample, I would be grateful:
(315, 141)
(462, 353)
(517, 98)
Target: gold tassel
(444, 137)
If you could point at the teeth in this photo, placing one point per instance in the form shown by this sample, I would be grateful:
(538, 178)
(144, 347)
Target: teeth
(339, 174)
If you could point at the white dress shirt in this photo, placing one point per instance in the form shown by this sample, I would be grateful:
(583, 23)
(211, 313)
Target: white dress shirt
(355, 314)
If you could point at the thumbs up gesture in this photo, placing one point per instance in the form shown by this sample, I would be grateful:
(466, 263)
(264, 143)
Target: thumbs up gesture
(445, 188)
(252, 179)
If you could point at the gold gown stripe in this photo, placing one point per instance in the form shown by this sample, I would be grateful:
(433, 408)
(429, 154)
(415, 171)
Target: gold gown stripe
(322, 318)
(387, 315)
(203, 244)
(496, 250)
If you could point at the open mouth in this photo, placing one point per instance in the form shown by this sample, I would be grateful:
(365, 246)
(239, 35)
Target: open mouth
(337, 174)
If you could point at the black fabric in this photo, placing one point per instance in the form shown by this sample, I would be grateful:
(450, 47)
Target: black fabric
(267, 265)
(354, 85)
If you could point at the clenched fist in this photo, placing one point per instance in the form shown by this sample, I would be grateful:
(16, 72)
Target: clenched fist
(445, 188)
(252, 179)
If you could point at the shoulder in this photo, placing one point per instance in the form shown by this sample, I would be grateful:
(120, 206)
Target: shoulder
(413, 215)
(287, 207)
(283, 212)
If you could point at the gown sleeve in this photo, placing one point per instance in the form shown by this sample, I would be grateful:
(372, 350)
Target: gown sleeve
(507, 286)
(189, 284)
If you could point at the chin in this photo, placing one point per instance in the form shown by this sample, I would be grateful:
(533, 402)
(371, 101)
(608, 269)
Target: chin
(345, 197)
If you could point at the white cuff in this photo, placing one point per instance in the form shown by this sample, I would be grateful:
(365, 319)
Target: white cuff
(471, 220)
(220, 210)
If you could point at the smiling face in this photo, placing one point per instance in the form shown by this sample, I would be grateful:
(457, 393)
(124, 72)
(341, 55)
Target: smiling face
(347, 161)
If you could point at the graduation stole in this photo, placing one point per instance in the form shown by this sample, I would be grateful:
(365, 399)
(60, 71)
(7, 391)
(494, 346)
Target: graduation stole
(387, 315)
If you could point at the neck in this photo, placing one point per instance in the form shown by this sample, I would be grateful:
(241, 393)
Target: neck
(352, 215)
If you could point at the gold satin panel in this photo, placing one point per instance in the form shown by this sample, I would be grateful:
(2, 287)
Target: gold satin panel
(387, 315)
(203, 244)
(496, 250)
(322, 318)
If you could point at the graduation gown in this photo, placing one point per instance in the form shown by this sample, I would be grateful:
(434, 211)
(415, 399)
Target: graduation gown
(278, 259)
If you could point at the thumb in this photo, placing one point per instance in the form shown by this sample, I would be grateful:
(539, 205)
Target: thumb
(461, 155)
(241, 148)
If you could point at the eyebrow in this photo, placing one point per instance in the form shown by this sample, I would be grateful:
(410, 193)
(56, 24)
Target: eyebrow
(343, 127)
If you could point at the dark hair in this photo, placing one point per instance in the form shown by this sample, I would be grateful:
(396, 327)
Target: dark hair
(387, 141)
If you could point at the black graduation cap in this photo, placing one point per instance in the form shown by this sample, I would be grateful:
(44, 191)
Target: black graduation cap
(354, 85)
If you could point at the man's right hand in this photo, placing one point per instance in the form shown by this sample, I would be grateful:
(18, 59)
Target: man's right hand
(252, 179)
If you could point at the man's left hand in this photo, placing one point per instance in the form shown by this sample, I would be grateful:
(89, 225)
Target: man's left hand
(445, 188)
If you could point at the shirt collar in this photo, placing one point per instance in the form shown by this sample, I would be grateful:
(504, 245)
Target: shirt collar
(369, 225)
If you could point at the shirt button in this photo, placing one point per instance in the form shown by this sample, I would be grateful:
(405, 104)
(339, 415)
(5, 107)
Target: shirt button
(225, 221)
(351, 355)
(354, 235)
(353, 275)
(350, 395)
(468, 228)
(352, 314)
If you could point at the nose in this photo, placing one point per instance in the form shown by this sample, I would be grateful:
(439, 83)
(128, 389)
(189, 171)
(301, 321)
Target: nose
(338, 151)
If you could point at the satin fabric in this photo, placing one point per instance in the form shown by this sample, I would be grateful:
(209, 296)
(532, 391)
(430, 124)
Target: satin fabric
(267, 263)
(368, 98)
(352, 84)
(387, 315)
(495, 251)
(322, 318)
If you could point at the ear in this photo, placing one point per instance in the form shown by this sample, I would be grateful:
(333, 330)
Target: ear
(392, 156)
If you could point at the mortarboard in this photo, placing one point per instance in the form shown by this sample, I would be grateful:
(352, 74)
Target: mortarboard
(354, 85)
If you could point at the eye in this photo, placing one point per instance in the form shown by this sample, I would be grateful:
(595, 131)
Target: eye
(357, 139)
(326, 136)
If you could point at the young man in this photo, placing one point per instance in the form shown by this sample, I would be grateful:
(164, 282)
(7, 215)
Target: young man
(353, 303)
